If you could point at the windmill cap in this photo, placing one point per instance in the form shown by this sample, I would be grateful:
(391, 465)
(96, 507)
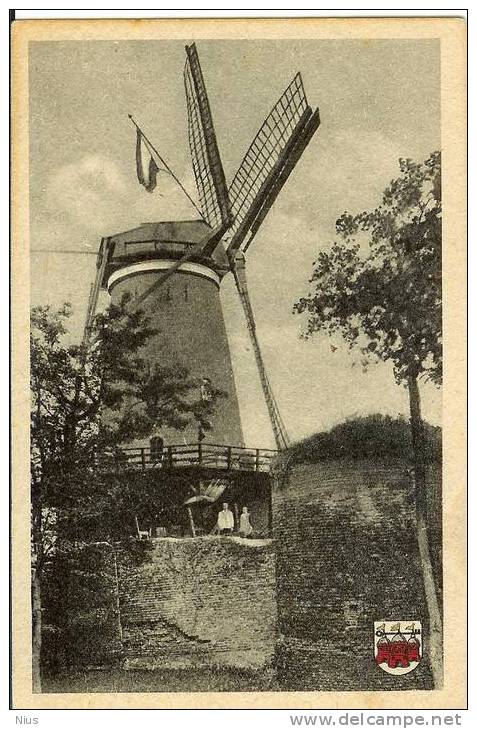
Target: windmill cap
(159, 240)
(180, 231)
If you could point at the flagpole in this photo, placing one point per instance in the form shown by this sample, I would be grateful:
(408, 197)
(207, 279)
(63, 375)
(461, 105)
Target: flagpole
(153, 152)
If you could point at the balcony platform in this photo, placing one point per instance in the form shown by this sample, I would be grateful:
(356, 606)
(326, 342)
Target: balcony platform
(211, 456)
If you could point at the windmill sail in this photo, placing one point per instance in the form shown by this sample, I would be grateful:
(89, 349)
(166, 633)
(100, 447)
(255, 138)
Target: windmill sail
(101, 262)
(206, 162)
(279, 430)
(268, 162)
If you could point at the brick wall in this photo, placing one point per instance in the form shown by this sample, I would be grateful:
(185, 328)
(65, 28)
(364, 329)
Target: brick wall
(346, 556)
(202, 601)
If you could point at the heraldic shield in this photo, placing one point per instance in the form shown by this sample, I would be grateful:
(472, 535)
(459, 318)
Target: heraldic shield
(398, 645)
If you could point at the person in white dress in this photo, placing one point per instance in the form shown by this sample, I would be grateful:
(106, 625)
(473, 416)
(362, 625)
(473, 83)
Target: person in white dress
(245, 526)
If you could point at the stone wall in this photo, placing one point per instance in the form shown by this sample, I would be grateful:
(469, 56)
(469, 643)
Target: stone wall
(202, 601)
(347, 555)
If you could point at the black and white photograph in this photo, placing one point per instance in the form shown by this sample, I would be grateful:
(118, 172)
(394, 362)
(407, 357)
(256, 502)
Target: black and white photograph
(236, 299)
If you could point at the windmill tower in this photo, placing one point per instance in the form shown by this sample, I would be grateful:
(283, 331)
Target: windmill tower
(173, 270)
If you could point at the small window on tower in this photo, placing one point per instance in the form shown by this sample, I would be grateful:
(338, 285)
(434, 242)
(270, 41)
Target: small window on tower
(186, 292)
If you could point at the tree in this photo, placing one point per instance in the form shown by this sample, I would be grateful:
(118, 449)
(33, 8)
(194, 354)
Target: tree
(380, 287)
(87, 399)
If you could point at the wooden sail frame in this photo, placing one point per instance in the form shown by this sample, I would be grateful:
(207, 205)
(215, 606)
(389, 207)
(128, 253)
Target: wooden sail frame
(104, 253)
(288, 128)
(206, 162)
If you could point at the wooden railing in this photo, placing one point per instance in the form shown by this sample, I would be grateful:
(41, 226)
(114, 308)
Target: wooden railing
(205, 455)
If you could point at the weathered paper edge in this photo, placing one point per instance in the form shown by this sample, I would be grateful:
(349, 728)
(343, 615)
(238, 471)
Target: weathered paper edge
(452, 35)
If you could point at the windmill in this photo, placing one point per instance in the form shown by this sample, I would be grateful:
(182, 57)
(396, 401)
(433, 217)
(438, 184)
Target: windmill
(173, 270)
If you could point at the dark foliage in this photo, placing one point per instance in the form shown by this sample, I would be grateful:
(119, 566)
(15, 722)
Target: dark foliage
(373, 436)
(379, 285)
(87, 401)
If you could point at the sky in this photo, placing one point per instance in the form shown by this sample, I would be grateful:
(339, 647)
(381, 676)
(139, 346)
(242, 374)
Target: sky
(379, 100)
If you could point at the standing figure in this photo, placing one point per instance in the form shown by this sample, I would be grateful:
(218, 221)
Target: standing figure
(156, 445)
(245, 526)
(225, 520)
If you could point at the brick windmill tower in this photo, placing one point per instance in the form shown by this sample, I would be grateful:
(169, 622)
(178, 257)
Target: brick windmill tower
(173, 270)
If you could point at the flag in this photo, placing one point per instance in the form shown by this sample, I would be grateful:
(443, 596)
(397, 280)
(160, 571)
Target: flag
(157, 163)
(150, 182)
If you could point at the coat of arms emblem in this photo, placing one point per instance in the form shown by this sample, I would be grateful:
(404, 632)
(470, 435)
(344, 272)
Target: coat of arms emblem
(398, 646)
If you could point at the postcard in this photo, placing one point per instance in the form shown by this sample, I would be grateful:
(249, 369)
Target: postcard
(238, 349)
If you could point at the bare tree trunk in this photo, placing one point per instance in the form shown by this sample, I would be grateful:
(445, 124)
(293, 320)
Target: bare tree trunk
(118, 601)
(36, 631)
(435, 622)
(37, 540)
